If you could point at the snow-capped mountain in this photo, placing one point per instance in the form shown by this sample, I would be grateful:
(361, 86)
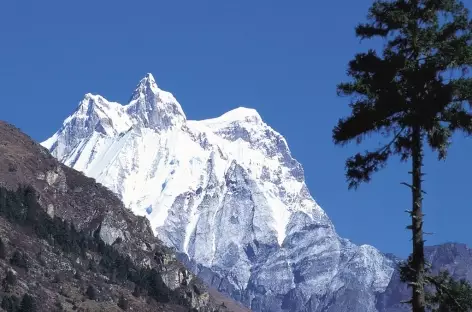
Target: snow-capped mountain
(228, 195)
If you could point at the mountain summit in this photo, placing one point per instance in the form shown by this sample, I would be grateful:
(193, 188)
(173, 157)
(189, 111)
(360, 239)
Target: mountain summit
(228, 195)
(151, 107)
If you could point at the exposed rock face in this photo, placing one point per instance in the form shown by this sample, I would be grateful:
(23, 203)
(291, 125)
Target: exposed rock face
(228, 196)
(69, 195)
(109, 233)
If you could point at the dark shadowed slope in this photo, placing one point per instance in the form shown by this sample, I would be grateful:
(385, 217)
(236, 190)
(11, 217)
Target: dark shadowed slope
(99, 221)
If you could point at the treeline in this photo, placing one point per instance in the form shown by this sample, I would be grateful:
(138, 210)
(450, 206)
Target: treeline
(21, 207)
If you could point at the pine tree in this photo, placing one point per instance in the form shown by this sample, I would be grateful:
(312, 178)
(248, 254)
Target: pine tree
(10, 303)
(137, 291)
(19, 259)
(123, 303)
(3, 252)
(9, 281)
(58, 307)
(91, 293)
(92, 266)
(415, 93)
(27, 304)
(58, 278)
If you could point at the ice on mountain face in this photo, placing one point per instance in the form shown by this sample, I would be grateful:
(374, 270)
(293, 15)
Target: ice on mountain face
(227, 193)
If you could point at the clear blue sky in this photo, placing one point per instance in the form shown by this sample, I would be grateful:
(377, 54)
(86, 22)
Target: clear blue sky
(283, 58)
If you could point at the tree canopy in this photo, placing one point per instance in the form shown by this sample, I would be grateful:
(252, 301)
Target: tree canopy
(415, 92)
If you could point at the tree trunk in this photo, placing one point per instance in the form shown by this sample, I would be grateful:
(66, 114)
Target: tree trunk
(418, 263)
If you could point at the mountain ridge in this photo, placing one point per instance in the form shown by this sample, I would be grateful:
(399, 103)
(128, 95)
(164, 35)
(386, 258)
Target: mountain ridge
(228, 195)
(112, 121)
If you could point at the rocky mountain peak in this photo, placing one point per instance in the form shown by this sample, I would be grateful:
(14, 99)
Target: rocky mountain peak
(227, 194)
(154, 108)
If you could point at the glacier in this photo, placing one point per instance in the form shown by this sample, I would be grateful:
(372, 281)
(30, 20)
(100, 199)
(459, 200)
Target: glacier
(227, 194)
